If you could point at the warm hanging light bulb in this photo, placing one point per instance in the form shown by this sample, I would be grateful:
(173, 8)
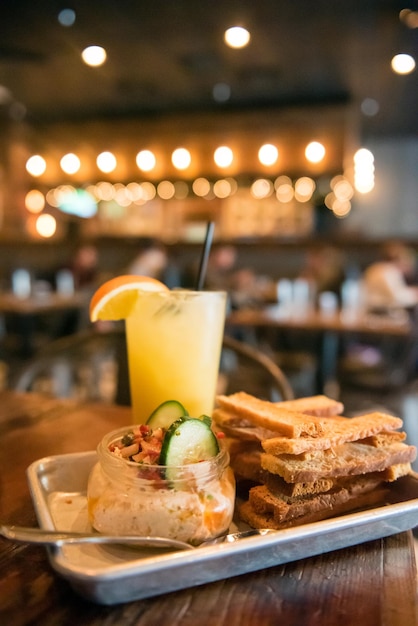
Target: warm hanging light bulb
(35, 201)
(223, 156)
(315, 152)
(36, 165)
(181, 158)
(364, 170)
(201, 187)
(237, 37)
(166, 190)
(268, 154)
(94, 56)
(403, 64)
(106, 162)
(70, 163)
(145, 160)
(46, 225)
(261, 188)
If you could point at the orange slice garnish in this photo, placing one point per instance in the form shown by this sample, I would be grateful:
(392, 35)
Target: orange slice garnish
(115, 299)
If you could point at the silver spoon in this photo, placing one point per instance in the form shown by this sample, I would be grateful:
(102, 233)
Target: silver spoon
(61, 538)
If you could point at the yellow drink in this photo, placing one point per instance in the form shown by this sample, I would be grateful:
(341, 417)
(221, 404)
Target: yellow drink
(174, 344)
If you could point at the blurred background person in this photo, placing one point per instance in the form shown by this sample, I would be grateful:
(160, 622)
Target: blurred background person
(84, 267)
(244, 286)
(154, 260)
(222, 266)
(391, 281)
(325, 269)
(388, 287)
(84, 270)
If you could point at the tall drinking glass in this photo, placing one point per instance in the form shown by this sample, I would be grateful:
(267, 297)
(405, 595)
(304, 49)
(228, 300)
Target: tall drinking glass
(174, 341)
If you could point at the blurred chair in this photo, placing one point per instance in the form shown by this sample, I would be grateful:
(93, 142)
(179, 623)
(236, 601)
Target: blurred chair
(250, 369)
(88, 365)
(92, 366)
(301, 370)
(384, 366)
(382, 362)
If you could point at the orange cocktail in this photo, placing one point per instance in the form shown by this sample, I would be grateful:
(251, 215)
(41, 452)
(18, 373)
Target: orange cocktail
(174, 341)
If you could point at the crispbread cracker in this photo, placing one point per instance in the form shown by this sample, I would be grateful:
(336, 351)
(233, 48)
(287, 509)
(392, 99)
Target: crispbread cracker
(394, 472)
(336, 431)
(304, 462)
(346, 460)
(247, 465)
(362, 501)
(264, 501)
(381, 439)
(293, 492)
(271, 416)
(234, 426)
(235, 446)
(320, 405)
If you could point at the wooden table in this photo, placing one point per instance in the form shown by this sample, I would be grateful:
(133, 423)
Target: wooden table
(38, 305)
(314, 320)
(372, 583)
(28, 310)
(329, 328)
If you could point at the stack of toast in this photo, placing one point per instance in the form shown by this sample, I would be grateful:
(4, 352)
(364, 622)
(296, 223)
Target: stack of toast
(305, 461)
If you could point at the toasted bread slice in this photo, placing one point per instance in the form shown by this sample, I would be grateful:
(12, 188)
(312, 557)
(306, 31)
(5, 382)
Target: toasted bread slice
(240, 428)
(235, 425)
(336, 431)
(348, 459)
(289, 492)
(247, 465)
(294, 492)
(264, 501)
(320, 405)
(394, 472)
(271, 416)
(383, 438)
(236, 446)
(267, 520)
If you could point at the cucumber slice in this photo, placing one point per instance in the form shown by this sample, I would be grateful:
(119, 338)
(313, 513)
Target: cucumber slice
(188, 440)
(166, 413)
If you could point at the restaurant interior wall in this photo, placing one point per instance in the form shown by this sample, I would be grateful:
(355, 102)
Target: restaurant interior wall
(245, 132)
(391, 208)
(388, 211)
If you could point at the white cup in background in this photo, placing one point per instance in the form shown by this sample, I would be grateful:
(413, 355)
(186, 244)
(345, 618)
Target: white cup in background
(328, 303)
(351, 297)
(285, 293)
(303, 296)
(21, 283)
(65, 282)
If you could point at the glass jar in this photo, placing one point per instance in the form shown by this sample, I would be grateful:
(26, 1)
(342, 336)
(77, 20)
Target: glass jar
(193, 502)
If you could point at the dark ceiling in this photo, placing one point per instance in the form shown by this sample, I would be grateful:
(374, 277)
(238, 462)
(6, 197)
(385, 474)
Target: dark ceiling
(167, 56)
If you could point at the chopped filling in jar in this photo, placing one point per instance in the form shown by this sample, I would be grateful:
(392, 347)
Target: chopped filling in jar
(140, 446)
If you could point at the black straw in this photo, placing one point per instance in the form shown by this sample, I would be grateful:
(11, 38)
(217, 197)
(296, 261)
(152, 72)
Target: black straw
(205, 256)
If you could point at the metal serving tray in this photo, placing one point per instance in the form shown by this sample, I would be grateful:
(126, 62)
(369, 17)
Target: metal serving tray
(115, 574)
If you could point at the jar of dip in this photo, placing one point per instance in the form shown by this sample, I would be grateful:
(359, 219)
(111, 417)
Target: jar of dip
(192, 502)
